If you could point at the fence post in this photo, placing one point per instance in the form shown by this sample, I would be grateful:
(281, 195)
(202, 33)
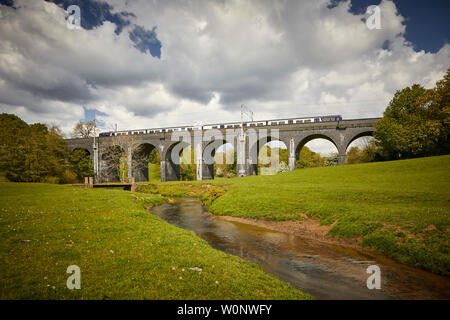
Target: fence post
(133, 185)
(91, 182)
(86, 182)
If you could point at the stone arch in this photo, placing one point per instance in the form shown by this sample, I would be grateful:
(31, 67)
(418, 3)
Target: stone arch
(300, 144)
(208, 154)
(359, 155)
(255, 148)
(88, 148)
(171, 160)
(363, 133)
(140, 159)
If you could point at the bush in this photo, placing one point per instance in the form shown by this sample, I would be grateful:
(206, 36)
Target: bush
(54, 180)
(68, 177)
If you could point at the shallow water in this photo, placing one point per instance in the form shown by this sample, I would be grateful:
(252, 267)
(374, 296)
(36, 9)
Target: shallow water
(324, 270)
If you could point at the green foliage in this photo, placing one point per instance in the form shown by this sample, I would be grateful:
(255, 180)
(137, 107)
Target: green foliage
(68, 177)
(36, 153)
(188, 167)
(147, 157)
(231, 167)
(31, 153)
(368, 153)
(309, 159)
(225, 164)
(416, 122)
(81, 164)
(154, 157)
(332, 160)
(265, 156)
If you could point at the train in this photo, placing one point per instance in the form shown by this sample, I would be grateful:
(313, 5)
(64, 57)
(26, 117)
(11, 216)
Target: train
(225, 125)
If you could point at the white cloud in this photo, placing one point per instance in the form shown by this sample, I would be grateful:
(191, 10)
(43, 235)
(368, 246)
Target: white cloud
(280, 58)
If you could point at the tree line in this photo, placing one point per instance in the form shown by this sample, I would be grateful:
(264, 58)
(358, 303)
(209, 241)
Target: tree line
(38, 153)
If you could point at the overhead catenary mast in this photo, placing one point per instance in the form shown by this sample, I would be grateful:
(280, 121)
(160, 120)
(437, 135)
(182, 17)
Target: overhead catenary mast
(244, 110)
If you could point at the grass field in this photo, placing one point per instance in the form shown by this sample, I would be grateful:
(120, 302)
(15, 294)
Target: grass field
(401, 207)
(123, 251)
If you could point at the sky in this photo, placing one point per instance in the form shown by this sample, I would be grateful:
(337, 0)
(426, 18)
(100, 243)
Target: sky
(143, 64)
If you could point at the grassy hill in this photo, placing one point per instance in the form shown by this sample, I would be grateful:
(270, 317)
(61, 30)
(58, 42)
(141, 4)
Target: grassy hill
(123, 251)
(399, 207)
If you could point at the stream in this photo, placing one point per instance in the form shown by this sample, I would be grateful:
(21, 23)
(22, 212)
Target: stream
(326, 271)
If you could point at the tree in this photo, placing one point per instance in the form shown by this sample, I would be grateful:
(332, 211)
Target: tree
(32, 153)
(111, 159)
(225, 163)
(13, 136)
(308, 158)
(84, 130)
(231, 165)
(188, 167)
(416, 122)
(114, 158)
(265, 156)
(332, 160)
(81, 163)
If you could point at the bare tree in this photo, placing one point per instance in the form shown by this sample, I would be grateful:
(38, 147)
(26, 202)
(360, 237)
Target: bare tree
(119, 148)
(84, 130)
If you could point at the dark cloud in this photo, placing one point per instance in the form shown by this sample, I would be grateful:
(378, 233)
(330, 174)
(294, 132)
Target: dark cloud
(8, 3)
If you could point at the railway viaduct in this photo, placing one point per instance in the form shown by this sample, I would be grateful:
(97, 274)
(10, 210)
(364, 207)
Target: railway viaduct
(246, 141)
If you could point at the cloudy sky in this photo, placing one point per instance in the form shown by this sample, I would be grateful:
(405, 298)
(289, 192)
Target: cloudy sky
(145, 63)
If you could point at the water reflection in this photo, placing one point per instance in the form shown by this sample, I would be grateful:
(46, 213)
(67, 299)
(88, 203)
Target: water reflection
(323, 270)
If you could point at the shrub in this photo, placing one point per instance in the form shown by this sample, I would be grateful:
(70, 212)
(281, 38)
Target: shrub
(50, 180)
(68, 177)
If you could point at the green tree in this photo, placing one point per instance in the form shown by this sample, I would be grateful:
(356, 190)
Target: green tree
(354, 155)
(309, 158)
(231, 167)
(188, 168)
(416, 122)
(31, 153)
(81, 163)
(13, 136)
